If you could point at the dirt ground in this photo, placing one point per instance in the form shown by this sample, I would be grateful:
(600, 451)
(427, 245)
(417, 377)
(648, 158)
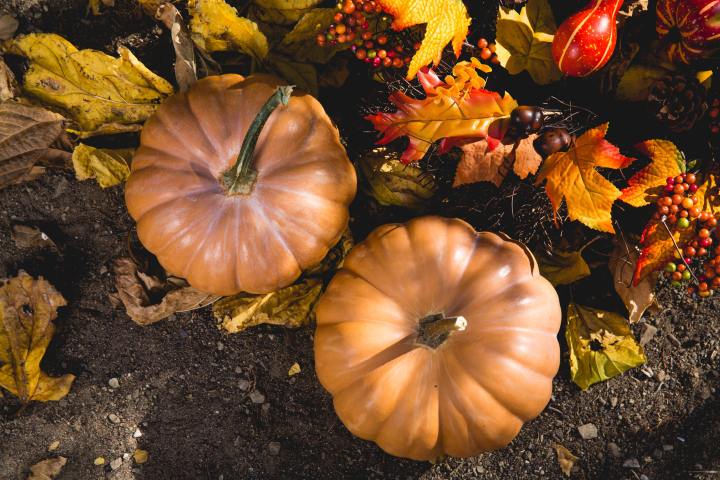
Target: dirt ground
(207, 405)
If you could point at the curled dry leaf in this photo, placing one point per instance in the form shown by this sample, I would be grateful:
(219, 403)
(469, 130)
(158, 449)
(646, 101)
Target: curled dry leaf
(216, 27)
(480, 165)
(101, 93)
(524, 41)
(294, 369)
(185, 65)
(290, 306)
(8, 85)
(601, 345)
(390, 182)
(25, 134)
(27, 310)
(108, 166)
(447, 21)
(572, 175)
(453, 111)
(47, 469)
(136, 288)
(566, 459)
(637, 298)
(29, 237)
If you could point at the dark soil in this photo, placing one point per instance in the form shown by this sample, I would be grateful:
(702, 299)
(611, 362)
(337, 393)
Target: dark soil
(186, 385)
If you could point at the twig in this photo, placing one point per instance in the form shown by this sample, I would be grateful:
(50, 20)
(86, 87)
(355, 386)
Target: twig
(682, 257)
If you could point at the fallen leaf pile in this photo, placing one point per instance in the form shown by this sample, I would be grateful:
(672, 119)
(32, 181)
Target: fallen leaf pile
(447, 21)
(454, 111)
(100, 93)
(27, 310)
(572, 175)
(601, 345)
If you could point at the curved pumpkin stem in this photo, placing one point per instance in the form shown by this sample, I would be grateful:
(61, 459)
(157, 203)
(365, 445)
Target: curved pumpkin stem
(435, 329)
(241, 177)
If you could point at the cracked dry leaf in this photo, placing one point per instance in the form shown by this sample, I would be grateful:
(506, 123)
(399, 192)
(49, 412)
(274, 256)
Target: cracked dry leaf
(27, 310)
(480, 165)
(216, 27)
(290, 306)
(8, 85)
(390, 182)
(47, 469)
(447, 21)
(26, 132)
(637, 298)
(566, 459)
(601, 345)
(148, 299)
(524, 41)
(29, 237)
(107, 165)
(185, 65)
(101, 93)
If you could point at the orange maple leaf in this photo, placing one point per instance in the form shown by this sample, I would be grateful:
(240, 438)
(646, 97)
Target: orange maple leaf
(454, 111)
(480, 165)
(645, 186)
(658, 248)
(447, 20)
(572, 175)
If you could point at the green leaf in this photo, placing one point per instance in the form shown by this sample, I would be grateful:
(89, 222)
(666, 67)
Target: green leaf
(282, 12)
(392, 183)
(216, 27)
(635, 84)
(108, 166)
(302, 75)
(562, 267)
(524, 41)
(290, 306)
(601, 345)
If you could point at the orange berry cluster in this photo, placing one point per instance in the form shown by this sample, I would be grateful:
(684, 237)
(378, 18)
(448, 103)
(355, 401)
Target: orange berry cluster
(678, 204)
(487, 51)
(352, 26)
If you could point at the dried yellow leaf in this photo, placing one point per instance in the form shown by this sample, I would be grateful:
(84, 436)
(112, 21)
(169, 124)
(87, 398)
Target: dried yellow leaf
(54, 446)
(294, 369)
(565, 458)
(108, 166)
(99, 461)
(216, 27)
(140, 456)
(47, 469)
(101, 93)
(27, 309)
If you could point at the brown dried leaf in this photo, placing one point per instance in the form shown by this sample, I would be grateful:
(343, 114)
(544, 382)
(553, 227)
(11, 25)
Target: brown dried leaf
(136, 288)
(8, 85)
(527, 160)
(25, 134)
(29, 237)
(637, 298)
(185, 66)
(27, 310)
(479, 165)
(47, 469)
(565, 458)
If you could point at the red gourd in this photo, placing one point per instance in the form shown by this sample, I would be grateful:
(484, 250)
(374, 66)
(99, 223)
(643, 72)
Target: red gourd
(584, 43)
(691, 28)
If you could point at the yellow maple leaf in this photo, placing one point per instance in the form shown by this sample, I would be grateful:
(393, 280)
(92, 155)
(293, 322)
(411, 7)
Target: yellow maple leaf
(109, 166)
(101, 93)
(447, 20)
(216, 27)
(27, 309)
(458, 108)
(571, 175)
(645, 185)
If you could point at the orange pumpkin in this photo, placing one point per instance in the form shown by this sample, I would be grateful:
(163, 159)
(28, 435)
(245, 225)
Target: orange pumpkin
(229, 220)
(434, 339)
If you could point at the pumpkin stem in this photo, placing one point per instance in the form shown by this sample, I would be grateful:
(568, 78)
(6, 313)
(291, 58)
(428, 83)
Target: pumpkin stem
(435, 329)
(241, 177)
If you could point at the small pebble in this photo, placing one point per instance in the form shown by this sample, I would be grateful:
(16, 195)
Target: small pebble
(673, 339)
(220, 346)
(588, 431)
(115, 464)
(257, 397)
(614, 402)
(137, 433)
(54, 446)
(126, 456)
(647, 333)
(657, 453)
(113, 418)
(243, 385)
(614, 449)
(667, 448)
(631, 463)
(274, 448)
(114, 383)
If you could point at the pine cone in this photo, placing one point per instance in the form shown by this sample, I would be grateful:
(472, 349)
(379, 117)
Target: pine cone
(678, 101)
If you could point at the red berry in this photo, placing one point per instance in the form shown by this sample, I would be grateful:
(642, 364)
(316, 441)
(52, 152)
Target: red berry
(679, 179)
(694, 212)
(670, 180)
(690, 252)
(704, 233)
(361, 54)
(677, 199)
(382, 39)
(485, 54)
(679, 188)
(482, 43)
(690, 178)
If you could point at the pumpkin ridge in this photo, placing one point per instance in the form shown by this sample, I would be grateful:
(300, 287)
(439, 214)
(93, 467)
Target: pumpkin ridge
(209, 226)
(192, 151)
(277, 234)
(182, 162)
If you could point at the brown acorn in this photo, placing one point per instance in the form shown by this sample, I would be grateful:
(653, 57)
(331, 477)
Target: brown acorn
(552, 140)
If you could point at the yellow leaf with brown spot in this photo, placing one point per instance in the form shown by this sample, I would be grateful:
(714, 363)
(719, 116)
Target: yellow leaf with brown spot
(646, 185)
(102, 94)
(108, 166)
(216, 27)
(447, 21)
(572, 176)
(27, 310)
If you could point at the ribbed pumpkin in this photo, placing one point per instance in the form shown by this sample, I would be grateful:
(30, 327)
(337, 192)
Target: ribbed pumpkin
(231, 221)
(434, 339)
